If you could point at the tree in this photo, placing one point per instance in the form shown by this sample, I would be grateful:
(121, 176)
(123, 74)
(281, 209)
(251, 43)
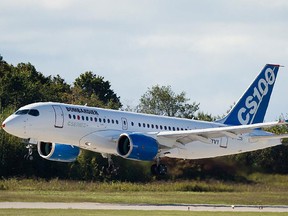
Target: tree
(161, 100)
(56, 89)
(205, 117)
(96, 90)
(23, 84)
(269, 160)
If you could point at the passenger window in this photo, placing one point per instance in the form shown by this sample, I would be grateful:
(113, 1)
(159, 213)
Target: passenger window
(139, 124)
(112, 121)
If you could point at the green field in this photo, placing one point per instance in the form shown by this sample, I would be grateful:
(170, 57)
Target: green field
(261, 190)
(70, 212)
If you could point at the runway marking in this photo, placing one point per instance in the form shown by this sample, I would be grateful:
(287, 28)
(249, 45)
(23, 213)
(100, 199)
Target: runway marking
(176, 207)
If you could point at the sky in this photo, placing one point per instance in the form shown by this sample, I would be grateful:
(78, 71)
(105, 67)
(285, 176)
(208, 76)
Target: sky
(210, 49)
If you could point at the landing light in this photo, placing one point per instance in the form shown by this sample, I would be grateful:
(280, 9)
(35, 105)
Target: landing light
(88, 143)
(3, 125)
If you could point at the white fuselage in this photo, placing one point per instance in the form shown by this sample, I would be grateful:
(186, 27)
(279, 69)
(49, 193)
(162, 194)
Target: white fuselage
(98, 130)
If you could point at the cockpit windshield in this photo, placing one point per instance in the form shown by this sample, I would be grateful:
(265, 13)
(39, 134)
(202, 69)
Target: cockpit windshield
(33, 112)
(22, 112)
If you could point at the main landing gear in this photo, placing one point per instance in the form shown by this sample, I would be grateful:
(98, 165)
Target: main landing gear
(111, 169)
(159, 169)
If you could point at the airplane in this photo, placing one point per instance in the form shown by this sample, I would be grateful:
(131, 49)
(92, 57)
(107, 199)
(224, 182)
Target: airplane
(60, 130)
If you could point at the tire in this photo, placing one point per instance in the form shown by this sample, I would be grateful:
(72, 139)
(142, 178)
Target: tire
(159, 170)
(154, 169)
(162, 169)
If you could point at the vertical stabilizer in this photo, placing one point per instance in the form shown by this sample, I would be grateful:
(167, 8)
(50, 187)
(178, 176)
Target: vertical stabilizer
(252, 106)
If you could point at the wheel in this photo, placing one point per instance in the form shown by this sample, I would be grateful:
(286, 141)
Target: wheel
(110, 170)
(154, 169)
(162, 169)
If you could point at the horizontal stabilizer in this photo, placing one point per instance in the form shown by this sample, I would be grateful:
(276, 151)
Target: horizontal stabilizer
(262, 138)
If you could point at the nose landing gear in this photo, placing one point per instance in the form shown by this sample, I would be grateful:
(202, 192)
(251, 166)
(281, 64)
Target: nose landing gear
(29, 156)
(30, 143)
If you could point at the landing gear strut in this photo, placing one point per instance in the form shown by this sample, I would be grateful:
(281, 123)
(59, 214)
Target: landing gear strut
(111, 169)
(159, 169)
(29, 156)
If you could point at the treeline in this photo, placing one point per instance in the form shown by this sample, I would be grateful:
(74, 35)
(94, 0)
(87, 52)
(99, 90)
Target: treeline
(23, 84)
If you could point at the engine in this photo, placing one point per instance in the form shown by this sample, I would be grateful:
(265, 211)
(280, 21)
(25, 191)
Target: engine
(137, 146)
(58, 152)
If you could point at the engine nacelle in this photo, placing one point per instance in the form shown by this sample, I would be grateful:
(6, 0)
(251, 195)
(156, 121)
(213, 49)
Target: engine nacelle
(137, 146)
(58, 152)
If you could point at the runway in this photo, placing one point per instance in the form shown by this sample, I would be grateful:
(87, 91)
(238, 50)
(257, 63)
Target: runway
(176, 207)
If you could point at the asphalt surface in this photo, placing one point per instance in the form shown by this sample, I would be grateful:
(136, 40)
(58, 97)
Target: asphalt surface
(176, 207)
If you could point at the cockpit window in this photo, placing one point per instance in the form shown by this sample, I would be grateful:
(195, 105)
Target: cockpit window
(22, 112)
(33, 112)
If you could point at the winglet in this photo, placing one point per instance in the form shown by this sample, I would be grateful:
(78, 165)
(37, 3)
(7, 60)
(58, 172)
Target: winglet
(251, 107)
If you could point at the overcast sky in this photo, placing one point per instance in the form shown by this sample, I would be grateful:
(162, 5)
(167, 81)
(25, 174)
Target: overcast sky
(211, 49)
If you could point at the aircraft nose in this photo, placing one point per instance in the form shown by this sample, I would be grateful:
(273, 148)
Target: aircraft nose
(14, 126)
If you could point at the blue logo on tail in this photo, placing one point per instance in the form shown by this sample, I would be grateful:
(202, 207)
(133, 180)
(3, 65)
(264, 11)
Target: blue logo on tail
(252, 106)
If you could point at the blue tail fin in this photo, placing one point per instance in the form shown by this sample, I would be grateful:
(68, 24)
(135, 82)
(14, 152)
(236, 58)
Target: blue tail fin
(252, 106)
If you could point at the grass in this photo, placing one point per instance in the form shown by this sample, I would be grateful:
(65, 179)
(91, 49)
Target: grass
(262, 190)
(64, 185)
(71, 212)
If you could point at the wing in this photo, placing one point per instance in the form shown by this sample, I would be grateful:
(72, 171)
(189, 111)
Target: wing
(178, 138)
(103, 141)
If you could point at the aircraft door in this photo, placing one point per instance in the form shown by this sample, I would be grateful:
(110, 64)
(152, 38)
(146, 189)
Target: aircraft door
(124, 123)
(224, 142)
(59, 116)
